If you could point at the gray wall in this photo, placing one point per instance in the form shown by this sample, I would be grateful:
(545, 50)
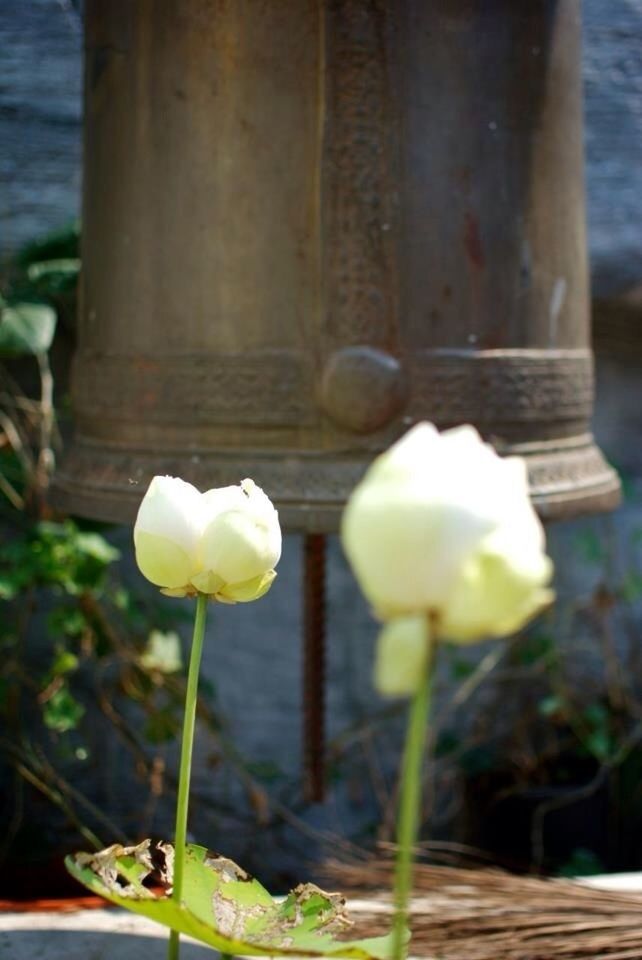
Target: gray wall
(40, 118)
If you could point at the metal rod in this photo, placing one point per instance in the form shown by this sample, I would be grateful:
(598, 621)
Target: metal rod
(314, 667)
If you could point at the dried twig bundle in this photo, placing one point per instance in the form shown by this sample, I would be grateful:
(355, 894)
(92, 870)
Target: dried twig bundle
(463, 914)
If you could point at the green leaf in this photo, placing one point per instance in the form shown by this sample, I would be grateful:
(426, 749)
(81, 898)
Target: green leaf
(222, 905)
(96, 547)
(59, 244)
(26, 328)
(64, 662)
(59, 268)
(598, 742)
(549, 706)
(62, 712)
(67, 621)
(8, 587)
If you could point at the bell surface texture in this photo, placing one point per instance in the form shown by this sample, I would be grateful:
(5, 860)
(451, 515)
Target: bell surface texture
(308, 225)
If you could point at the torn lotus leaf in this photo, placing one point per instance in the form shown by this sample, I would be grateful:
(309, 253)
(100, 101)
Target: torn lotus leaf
(123, 870)
(222, 905)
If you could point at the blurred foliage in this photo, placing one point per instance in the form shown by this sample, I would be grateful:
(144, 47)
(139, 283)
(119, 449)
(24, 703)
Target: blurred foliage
(46, 272)
(26, 328)
(48, 266)
(82, 656)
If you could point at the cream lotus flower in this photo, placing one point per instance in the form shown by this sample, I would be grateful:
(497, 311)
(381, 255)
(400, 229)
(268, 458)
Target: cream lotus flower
(402, 654)
(442, 527)
(224, 543)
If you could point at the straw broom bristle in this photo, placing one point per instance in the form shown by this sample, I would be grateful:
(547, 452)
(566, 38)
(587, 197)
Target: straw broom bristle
(464, 914)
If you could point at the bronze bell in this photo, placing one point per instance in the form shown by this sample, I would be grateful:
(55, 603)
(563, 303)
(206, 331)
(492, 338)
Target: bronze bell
(307, 225)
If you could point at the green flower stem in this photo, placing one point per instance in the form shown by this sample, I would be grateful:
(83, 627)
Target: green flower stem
(187, 744)
(410, 803)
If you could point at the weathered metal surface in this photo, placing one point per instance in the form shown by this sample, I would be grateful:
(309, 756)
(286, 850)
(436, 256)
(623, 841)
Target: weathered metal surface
(308, 225)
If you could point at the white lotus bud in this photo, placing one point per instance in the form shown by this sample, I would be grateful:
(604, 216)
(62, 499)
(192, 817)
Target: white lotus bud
(402, 656)
(224, 543)
(443, 527)
(167, 532)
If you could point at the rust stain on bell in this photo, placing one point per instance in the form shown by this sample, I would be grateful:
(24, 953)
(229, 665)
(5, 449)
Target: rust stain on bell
(308, 224)
(472, 241)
